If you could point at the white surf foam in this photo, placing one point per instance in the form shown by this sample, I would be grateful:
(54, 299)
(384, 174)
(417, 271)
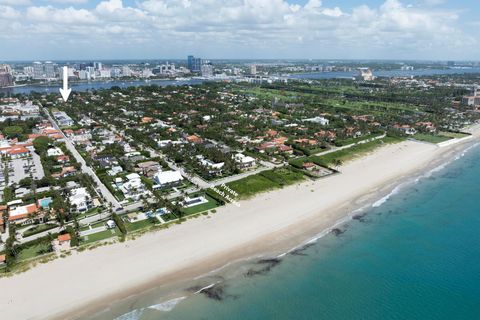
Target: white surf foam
(132, 315)
(167, 305)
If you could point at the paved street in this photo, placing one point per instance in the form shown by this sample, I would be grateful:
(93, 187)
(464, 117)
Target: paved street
(86, 169)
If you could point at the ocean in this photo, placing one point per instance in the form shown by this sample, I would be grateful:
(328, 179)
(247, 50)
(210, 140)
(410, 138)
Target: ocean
(414, 254)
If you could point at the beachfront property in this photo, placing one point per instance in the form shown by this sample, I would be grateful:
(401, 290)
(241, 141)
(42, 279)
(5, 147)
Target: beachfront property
(244, 161)
(62, 243)
(212, 167)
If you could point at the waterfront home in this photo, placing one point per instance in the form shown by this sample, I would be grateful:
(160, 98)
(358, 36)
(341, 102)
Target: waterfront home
(244, 161)
(195, 201)
(309, 166)
(213, 167)
(62, 243)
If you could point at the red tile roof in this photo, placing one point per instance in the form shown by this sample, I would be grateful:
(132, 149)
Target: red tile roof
(64, 237)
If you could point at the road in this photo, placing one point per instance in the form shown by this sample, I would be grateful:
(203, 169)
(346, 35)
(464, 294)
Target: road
(106, 194)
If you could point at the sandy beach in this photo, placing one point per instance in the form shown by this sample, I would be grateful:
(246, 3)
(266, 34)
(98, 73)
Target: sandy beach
(87, 281)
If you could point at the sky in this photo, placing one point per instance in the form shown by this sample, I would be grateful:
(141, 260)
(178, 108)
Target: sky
(239, 29)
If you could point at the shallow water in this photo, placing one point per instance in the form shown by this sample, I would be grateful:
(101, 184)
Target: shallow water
(414, 255)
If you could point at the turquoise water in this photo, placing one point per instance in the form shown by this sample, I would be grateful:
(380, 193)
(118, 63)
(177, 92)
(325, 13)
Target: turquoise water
(415, 256)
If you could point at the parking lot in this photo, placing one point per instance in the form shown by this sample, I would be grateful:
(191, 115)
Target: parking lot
(23, 168)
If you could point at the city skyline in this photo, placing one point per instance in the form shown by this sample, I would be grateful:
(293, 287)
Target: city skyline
(277, 29)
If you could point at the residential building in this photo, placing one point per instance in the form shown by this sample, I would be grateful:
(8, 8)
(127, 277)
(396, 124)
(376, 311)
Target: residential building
(80, 200)
(244, 161)
(168, 178)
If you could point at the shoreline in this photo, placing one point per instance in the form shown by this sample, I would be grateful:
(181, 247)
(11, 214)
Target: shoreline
(89, 281)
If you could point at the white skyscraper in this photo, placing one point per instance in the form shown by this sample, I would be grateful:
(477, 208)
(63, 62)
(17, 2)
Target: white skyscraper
(38, 72)
(207, 70)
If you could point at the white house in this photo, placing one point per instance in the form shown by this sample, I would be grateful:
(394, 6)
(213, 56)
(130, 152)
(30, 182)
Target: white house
(167, 178)
(80, 198)
(244, 161)
(318, 120)
(134, 187)
(115, 170)
(54, 152)
(214, 167)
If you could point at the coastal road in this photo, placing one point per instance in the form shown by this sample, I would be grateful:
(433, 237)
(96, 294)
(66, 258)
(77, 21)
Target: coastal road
(85, 168)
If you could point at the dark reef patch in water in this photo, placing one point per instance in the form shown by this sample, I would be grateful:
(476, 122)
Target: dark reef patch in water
(337, 231)
(266, 266)
(300, 251)
(361, 217)
(217, 292)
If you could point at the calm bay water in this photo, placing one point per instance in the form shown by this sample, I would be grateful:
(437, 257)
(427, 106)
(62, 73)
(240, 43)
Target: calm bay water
(388, 73)
(414, 256)
(96, 85)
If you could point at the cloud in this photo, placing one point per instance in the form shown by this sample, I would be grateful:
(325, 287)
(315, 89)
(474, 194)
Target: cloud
(244, 27)
(62, 16)
(8, 13)
(68, 1)
(16, 2)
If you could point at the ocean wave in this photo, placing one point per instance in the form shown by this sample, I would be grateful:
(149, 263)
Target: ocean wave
(384, 199)
(132, 315)
(167, 305)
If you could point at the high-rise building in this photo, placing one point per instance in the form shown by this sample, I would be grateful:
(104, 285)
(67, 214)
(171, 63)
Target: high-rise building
(207, 70)
(253, 69)
(49, 69)
(194, 64)
(126, 71)
(38, 72)
(28, 70)
(6, 78)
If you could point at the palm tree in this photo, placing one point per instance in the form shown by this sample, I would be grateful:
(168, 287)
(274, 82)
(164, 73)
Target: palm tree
(337, 163)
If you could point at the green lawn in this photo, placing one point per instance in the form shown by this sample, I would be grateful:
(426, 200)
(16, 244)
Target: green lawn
(90, 212)
(431, 138)
(455, 135)
(265, 181)
(138, 225)
(38, 229)
(33, 251)
(101, 236)
(345, 155)
(249, 186)
(346, 142)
